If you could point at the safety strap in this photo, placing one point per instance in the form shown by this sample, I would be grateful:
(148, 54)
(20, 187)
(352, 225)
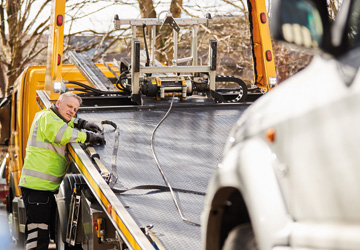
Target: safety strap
(156, 187)
(113, 178)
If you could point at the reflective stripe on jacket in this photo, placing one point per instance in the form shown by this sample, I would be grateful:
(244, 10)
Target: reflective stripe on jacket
(45, 162)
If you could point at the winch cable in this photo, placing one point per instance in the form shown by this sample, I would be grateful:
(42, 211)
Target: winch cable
(113, 177)
(162, 172)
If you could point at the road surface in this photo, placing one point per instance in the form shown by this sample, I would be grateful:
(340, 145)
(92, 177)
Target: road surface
(5, 239)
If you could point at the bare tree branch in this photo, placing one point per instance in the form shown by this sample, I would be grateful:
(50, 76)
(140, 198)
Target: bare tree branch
(31, 24)
(243, 9)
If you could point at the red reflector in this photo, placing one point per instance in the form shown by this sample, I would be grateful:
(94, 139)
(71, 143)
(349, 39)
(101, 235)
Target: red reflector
(4, 190)
(263, 17)
(59, 59)
(268, 55)
(59, 20)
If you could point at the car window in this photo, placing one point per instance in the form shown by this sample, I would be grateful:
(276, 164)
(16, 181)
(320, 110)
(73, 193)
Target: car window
(353, 34)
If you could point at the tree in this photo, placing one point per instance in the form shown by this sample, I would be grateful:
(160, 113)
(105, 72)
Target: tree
(23, 35)
(18, 35)
(147, 10)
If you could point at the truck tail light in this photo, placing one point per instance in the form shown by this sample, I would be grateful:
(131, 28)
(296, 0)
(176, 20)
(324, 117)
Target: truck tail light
(4, 190)
(263, 17)
(268, 55)
(59, 20)
(59, 59)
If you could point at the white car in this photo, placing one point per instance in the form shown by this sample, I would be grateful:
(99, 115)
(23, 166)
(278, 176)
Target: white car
(290, 175)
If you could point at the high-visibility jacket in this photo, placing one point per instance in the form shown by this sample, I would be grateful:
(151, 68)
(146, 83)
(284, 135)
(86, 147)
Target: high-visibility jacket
(45, 162)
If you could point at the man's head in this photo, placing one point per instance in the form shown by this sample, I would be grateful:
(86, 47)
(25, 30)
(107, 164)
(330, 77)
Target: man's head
(68, 104)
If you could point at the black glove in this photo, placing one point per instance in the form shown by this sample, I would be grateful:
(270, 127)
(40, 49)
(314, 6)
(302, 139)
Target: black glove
(83, 124)
(94, 138)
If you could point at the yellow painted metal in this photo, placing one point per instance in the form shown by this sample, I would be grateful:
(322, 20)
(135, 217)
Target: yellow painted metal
(55, 49)
(104, 200)
(263, 69)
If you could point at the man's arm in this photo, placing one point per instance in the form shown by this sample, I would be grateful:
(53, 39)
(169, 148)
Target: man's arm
(55, 130)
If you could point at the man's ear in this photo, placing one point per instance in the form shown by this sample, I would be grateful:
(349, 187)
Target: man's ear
(57, 103)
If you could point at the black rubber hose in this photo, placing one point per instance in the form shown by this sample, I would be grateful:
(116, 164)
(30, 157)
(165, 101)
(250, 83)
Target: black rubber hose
(146, 48)
(119, 82)
(97, 91)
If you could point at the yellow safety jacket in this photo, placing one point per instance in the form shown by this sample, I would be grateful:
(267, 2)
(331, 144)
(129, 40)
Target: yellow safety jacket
(45, 162)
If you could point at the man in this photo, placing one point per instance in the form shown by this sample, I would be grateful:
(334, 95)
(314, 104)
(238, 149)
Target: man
(45, 163)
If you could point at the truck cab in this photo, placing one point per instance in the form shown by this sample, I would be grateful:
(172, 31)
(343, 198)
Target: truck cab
(289, 174)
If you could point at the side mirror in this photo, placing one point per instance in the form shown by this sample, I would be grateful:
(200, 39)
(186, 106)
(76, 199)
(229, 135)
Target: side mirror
(301, 22)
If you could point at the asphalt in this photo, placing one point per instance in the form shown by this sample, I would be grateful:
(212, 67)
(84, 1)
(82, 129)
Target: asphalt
(6, 242)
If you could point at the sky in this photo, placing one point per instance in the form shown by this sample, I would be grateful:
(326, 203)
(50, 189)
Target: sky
(102, 19)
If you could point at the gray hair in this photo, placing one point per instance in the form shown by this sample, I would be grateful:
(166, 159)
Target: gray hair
(70, 94)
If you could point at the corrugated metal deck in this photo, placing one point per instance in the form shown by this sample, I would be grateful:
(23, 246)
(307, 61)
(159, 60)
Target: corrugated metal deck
(188, 145)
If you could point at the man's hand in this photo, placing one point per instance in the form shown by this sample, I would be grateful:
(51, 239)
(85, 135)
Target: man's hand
(94, 138)
(92, 127)
(83, 124)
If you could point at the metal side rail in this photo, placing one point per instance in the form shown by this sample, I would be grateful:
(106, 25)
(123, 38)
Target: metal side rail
(117, 213)
(91, 72)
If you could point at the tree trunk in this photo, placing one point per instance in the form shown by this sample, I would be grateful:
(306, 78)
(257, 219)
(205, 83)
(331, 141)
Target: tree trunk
(175, 8)
(147, 9)
(3, 82)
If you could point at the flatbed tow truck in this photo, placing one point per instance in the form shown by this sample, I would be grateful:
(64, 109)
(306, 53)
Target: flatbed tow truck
(165, 128)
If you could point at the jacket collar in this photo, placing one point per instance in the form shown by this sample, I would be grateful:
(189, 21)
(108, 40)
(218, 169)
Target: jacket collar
(56, 111)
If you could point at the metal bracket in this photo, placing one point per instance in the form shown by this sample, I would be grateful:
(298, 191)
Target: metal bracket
(73, 220)
(171, 21)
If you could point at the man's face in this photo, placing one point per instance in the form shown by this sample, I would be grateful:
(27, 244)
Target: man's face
(68, 107)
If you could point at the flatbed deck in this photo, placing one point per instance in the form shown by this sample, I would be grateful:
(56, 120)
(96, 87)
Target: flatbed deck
(188, 145)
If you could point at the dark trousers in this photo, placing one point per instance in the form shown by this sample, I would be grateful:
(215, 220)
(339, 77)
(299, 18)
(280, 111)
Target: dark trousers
(40, 217)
